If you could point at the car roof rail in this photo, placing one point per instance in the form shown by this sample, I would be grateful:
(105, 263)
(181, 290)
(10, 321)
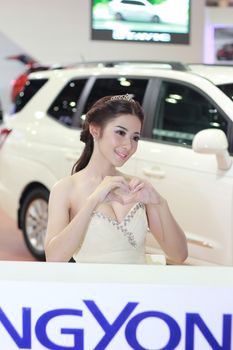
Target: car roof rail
(161, 64)
(156, 64)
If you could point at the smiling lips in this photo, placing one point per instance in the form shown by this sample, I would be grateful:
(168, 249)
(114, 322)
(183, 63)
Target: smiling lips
(121, 155)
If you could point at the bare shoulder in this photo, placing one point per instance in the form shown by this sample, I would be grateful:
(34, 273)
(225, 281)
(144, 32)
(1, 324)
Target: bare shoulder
(82, 186)
(62, 189)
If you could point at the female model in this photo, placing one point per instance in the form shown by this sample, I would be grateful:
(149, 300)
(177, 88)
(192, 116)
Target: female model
(100, 215)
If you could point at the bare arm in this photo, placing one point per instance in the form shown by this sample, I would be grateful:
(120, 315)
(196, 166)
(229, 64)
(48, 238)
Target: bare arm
(166, 230)
(161, 222)
(64, 236)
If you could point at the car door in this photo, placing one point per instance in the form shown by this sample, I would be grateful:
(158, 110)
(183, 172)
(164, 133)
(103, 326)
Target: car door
(135, 10)
(198, 193)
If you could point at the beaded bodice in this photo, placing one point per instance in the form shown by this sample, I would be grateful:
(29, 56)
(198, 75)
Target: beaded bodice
(110, 241)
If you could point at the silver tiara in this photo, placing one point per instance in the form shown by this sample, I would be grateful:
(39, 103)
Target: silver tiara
(125, 97)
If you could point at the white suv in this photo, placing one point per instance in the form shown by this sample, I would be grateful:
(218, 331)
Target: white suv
(134, 10)
(144, 11)
(185, 151)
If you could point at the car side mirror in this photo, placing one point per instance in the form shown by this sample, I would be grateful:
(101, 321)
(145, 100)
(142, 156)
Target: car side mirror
(213, 141)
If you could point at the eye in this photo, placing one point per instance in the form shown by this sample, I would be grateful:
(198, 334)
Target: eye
(136, 138)
(121, 132)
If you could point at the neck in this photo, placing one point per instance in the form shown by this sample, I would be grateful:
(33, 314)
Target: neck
(99, 167)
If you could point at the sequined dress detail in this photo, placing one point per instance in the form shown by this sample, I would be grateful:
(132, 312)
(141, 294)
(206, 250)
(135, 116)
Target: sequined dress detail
(110, 241)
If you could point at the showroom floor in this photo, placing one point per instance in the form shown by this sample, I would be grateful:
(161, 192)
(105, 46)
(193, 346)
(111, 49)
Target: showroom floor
(12, 246)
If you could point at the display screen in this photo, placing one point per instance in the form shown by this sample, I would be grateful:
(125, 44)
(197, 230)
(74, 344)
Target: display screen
(156, 21)
(223, 44)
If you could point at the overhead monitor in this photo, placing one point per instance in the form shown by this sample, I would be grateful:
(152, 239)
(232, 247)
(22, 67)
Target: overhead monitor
(152, 21)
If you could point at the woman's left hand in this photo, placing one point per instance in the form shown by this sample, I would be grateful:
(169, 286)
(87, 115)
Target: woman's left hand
(143, 191)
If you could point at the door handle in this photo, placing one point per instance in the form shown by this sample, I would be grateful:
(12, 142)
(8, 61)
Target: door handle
(157, 173)
(200, 242)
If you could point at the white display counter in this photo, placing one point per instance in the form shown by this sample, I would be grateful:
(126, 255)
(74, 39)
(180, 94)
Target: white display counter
(60, 306)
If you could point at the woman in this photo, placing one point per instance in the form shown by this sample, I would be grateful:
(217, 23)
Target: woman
(99, 214)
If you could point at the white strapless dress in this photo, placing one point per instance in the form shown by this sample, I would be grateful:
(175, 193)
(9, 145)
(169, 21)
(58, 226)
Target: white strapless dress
(108, 241)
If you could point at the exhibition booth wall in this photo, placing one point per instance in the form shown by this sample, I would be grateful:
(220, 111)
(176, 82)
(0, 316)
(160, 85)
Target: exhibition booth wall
(57, 31)
(218, 31)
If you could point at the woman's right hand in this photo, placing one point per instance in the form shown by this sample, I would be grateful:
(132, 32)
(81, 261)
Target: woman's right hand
(112, 188)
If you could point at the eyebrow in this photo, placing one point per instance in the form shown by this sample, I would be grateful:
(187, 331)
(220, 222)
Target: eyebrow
(125, 129)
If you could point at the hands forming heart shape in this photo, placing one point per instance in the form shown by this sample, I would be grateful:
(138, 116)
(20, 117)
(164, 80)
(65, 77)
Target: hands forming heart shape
(118, 189)
(132, 193)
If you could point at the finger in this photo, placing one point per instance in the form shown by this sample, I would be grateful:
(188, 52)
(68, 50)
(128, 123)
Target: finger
(130, 199)
(138, 187)
(121, 186)
(124, 182)
(134, 183)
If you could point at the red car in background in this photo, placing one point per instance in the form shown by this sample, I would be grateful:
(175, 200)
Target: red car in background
(31, 66)
(225, 53)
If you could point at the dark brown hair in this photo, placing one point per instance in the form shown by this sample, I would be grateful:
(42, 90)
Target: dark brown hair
(105, 109)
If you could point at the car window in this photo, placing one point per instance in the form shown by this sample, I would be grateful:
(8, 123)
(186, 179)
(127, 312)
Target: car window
(64, 106)
(133, 3)
(227, 89)
(117, 86)
(31, 87)
(182, 112)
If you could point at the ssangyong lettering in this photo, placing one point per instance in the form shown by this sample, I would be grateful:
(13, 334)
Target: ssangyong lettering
(193, 322)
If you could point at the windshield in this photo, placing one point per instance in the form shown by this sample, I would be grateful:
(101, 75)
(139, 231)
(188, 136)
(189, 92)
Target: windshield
(227, 89)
